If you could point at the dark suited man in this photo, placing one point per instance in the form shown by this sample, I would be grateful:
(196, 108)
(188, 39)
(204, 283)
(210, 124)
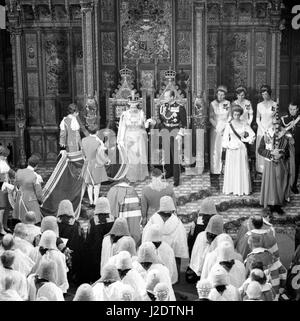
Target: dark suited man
(291, 122)
(172, 117)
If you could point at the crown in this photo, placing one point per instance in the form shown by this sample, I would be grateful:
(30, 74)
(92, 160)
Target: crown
(170, 74)
(125, 72)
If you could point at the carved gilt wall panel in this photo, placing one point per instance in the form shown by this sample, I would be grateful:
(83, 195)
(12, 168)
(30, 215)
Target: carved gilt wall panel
(212, 48)
(245, 12)
(59, 13)
(146, 28)
(79, 82)
(75, 12)
(212, 78)
(33, 84)
(213, 14)
(147, 79)
(31, 50)
(184, 47)
(34, 112)
(77, 49)
(184, 10)
(36, 145)
(261, 48)
(260, 78)
(27, 13)
(50, 112)
(261, 10)
(236, 59)
(229, 12)
(51, 147)
(108, 48)
(44, 13)
(56, 60)
(107, 10)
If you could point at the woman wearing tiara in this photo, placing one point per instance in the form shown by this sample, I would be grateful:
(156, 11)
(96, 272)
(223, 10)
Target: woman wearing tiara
(132, 136)
(264, 115)
(247, 115)
(236, 174)
(219, 115)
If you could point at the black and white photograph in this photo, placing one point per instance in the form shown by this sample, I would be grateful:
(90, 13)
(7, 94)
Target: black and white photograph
(150, 151)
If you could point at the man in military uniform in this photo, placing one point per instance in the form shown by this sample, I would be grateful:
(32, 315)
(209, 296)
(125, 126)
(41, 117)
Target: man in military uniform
(172, 116)
(291, 122)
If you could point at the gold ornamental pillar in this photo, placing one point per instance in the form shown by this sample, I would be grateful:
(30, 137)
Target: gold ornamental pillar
(89, 9)
(275, 15)
(15, 30)
(199, 76)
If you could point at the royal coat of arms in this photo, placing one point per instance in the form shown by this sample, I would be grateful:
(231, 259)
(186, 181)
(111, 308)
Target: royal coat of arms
(146, 29)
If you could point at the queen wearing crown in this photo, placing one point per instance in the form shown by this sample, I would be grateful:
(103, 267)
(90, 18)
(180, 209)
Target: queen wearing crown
(132, 136)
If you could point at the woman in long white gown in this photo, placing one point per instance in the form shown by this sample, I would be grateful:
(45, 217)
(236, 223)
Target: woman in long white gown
(264, 115)
(241, 93)
(133, 137)
(219, 114)
(236, 173)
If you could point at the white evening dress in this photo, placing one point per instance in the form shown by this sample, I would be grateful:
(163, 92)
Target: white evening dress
(133, 135)
(265, 114)
(220, 112)
(236, 173)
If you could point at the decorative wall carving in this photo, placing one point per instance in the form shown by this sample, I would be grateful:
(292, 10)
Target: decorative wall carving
(212, 78)
(75, 12)
(34, 112)
(51, 147)
(108, 79)
(212, 48)
(213, 15)
(79, 82)
(33, 84)
(260, 78)
(50, 113)
(56, 55)
(184, 10)
(27, 12)
(60, 13)
(182, 80)
(77, 49)
(31, 50)
(44, 13)
(107, 10)
(184, 47)
(245, 12)
(146, 29)
(108, 48)
(260, 48)
(261, 10)
(162, 79)
(147, 79)
(236, 47)
(229, 12)
(36, 145)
